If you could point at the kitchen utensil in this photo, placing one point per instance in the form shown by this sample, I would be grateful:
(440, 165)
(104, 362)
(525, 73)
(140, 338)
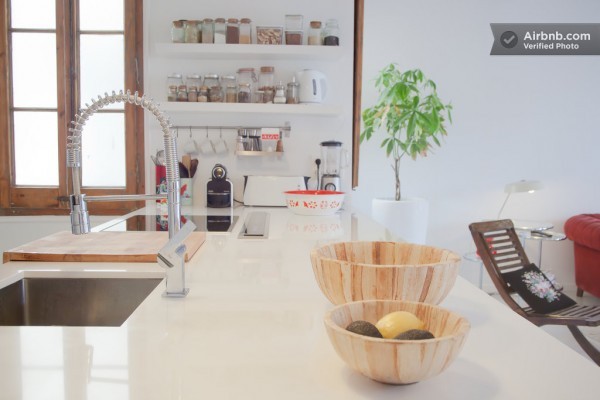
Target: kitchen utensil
(391, 360)
(352, 271)
(183, 171)
(314, 202)
(160, 157)
(154, 159)
(268, 190)
(193, 167)
(186, 159)
(313, 86)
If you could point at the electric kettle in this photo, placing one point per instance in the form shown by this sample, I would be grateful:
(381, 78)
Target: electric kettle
(313, 86)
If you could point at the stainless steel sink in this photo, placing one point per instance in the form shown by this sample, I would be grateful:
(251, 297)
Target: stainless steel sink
(72, 301)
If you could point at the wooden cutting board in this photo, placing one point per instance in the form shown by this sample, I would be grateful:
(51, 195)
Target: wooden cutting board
(100, 247)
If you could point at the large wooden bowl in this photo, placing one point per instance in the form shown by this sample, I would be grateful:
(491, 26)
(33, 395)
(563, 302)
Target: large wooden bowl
(397, 361)
(351, 271)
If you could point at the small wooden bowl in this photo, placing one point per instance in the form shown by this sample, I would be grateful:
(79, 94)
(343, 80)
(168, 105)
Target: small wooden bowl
(352, 271)
(397, 361)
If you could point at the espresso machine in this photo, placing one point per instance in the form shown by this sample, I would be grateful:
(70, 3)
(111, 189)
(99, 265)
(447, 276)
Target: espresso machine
(331, 155)
(219, 190)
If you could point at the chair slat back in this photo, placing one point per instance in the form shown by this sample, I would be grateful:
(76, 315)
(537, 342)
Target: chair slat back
(500, 249)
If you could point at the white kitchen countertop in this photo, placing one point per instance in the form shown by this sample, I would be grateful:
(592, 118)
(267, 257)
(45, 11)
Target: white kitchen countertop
(251, 328)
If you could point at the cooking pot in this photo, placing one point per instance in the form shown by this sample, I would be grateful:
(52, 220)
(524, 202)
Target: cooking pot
(313, 86)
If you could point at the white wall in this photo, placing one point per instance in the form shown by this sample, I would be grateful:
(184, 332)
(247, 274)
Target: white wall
(515, 117)
(302, 147)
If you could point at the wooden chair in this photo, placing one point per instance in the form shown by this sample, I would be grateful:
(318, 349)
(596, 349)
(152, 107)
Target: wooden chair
(500, 249)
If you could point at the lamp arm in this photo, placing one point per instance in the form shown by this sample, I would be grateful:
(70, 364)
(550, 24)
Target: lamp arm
(503, 204)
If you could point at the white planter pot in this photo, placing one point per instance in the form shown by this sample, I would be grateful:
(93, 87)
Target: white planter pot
(406, 219)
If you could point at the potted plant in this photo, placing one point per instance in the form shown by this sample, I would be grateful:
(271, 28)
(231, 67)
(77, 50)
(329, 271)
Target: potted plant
(413, 119)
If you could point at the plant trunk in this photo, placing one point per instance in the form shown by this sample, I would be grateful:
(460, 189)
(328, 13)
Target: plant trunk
(397, 173)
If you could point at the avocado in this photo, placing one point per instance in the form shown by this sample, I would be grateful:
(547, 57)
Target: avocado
(364, 328)
(415, 334)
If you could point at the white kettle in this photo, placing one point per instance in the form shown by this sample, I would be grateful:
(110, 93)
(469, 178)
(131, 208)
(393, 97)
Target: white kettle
(313, 86)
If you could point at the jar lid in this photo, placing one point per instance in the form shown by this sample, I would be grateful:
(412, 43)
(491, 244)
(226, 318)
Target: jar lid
(228, 77)
(245, 20)
(211, 76)
(232, 21)
(178, 23)
(207, 20)
(203, 87)
(315, 24)
(193, 76)
(244, 85)
(175, 75)
(267, 69)
(245, 70)
(220, 20)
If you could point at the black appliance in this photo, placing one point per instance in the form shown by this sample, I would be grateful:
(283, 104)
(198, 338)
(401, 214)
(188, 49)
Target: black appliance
(219, 190)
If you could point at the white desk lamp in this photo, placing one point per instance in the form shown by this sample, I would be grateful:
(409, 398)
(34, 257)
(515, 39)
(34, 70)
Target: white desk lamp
(521, 186)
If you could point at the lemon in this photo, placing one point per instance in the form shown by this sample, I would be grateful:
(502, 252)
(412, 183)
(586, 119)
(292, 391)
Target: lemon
(394, 323)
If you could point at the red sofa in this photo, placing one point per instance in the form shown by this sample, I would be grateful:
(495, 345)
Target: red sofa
(584, 231)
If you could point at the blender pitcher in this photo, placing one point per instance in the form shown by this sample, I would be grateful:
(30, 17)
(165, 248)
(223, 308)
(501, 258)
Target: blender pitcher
(331, 154)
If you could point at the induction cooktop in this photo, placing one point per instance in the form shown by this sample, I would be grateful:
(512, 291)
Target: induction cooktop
(204, 223)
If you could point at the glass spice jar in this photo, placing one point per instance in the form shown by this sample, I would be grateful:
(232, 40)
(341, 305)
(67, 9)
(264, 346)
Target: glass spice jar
(173, 82)
(220, 31)
(331, 34)
(233, 31)
(191, 31)
(182, 94)
(215, 93)
(177, 32)
(230, 88)
(246, 75)
(193, 83)
(293, 92)
(259, 96)
(245, 31)
(244, 93)
(230, 93)
(314, 34)
(279, 94)
(208, 30)
(266, 83)
(203, 94)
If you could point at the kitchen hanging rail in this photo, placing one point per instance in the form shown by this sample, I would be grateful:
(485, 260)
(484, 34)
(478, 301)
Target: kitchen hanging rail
(283, 130)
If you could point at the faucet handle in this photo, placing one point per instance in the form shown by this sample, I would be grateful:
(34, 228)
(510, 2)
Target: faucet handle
(172, 258)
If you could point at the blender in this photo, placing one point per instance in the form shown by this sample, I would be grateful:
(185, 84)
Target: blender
(331, 154)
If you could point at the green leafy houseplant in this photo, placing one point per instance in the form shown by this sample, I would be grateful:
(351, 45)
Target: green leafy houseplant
(411, 113)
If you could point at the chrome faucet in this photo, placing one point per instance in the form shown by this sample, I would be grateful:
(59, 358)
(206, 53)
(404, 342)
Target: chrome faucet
(80, 219)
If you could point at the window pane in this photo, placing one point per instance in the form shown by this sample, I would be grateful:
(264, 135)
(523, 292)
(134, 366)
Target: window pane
(33, 14)
(101, 15)
(34, 86)
(36, 148)
(102, 67)
(103, 150)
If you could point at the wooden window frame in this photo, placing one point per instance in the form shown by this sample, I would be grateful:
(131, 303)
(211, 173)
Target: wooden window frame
(37, 200)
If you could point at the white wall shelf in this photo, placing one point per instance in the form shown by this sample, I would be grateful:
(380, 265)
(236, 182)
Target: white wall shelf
(325, 110)
(247, 51)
